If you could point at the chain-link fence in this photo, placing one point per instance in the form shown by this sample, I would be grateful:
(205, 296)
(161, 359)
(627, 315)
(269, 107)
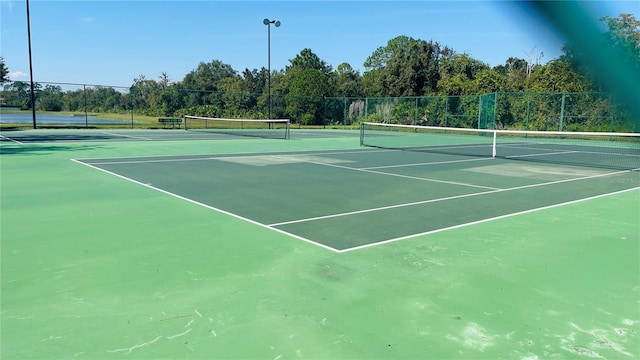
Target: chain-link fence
(67, 104)
(83, 105)
(501, 110)
(561, 112)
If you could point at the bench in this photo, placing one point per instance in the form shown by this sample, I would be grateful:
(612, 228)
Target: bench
(166, 121)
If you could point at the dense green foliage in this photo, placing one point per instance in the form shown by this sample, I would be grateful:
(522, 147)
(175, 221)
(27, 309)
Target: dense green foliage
(421, 81)
(4, 72)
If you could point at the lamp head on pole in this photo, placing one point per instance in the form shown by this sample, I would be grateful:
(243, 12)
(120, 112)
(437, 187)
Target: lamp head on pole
(274, 22)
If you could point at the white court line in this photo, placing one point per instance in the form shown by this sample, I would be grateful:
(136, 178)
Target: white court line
(484, 220)
(169, 158)
(428, 149)
(380, 208)
(446, 198)
(397, 175)
(425, 163)
(187, 158)
(609, 154)
(10, 139)
(515, 146)
(542, 154)
(208, 206)
(150, 161)
(216, 156)
(126, 136)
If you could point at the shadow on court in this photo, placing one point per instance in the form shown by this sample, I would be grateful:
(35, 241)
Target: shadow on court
(52, 137)
(39, 149)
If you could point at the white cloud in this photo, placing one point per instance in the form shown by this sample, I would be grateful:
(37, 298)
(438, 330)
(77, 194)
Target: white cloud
(15, 75)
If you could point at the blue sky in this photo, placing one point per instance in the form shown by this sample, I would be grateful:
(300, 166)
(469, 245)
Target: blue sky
(112, 42)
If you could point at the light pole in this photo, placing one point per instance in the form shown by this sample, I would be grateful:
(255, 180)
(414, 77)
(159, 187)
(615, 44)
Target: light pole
(277, 24)
(33, 96)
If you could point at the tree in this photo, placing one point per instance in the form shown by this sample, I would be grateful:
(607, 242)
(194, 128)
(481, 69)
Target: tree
(371, 83)
(383, 54)
(235, 100)
(306, 81)
(254, 81)
(249, 90)
(280, 86)
(624, 35)
(404, 67)
(18, 93)
(308, 60)
(412, 70)
(202, 85)
(307, 91)
(456, 84)
(104, 99)
(557, 76)
(348, 81)
(141, 91)
(164, 80)
(164, 102)
(51, 98)
(621, 41)
(462, 64)
(207, 75)
(533, 60)
(488, 81)
(4, 72)
(515, 70)
(457, 72)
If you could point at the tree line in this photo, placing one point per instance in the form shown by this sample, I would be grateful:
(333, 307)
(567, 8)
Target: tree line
(404, 67)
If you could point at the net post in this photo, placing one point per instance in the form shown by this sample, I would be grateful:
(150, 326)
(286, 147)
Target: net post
(562, 105)
(287, 134)
(480, 111)
(362, 134)
(495, 109)
(493, 148)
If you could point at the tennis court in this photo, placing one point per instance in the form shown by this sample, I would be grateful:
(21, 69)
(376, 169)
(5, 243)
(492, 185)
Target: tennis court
(178, 244)
(365, 197)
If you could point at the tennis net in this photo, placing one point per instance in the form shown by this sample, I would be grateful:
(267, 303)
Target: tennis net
(607, 150)
(273, 128)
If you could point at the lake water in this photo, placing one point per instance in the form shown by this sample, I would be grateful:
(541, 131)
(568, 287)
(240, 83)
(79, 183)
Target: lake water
(54, 119)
